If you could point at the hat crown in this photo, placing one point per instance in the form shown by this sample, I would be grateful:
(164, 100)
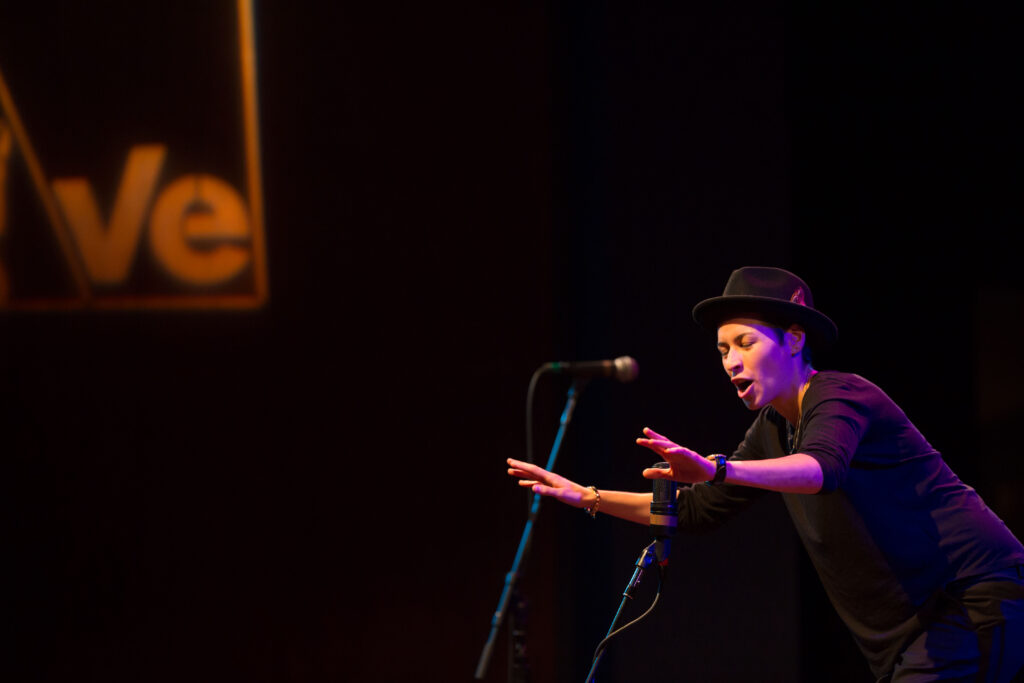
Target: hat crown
(769, 283)
(769, 294)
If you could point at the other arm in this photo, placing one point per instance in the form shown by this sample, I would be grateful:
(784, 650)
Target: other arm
(633, 507)
(797, 473)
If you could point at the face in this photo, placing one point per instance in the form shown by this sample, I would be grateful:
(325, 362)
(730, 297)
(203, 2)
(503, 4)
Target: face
(759, 365)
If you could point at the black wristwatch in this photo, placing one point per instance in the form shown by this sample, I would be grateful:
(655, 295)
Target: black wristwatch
(719, 477)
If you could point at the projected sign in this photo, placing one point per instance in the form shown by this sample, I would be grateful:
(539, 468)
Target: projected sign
(129, 157)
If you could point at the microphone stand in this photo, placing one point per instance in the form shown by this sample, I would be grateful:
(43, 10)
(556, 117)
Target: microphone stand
(512, 576)
(646, 559)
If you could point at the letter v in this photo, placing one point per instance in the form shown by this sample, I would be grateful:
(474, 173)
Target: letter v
(108, 253)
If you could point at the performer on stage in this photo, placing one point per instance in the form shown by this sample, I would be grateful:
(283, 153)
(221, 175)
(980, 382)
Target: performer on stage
(928, 579)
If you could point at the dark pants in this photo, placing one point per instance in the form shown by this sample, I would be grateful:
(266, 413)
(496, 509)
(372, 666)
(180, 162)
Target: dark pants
(974, 632)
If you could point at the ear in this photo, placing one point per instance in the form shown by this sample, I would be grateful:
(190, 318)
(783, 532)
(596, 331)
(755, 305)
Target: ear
(796, 337)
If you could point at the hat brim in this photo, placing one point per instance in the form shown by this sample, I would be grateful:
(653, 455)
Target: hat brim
(711, 313)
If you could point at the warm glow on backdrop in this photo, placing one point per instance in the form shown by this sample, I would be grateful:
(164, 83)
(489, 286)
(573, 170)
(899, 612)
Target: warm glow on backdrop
(180, 223)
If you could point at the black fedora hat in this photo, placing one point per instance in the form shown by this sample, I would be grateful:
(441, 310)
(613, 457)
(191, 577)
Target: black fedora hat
(771, 294)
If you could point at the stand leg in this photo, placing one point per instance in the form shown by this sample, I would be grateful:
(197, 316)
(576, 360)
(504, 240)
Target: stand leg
(518, 664)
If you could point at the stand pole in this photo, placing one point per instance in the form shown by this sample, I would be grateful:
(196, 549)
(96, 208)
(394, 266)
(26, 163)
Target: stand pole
(524, 542)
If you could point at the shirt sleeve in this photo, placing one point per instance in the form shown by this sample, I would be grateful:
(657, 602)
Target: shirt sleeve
(831, 432)
(704, 508)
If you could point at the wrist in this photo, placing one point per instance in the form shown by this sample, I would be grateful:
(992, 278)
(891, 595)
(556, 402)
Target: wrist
(721, 464)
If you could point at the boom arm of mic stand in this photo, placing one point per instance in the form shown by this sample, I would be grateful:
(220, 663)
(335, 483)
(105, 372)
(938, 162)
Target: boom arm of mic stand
(524, 541)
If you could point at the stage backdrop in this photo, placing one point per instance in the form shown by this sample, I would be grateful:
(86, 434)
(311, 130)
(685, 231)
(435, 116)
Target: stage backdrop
(271, 309)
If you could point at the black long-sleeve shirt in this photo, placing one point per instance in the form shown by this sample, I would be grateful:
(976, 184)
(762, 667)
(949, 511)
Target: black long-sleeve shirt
(892, 524)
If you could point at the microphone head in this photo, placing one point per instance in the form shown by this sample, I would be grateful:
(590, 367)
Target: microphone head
(664, 500)
(664, 514)
(626, 369)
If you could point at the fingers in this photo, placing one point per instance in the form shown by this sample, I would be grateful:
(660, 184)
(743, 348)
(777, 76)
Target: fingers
(662, 446)
(544, 483)
(522, 474)
(527, 480)
(656, 441)
(685, 465)
(657, 473)
(530, 474)
(554, 491)
(518, 468)
(653, 434)
(561, 493)
(544, 490)
(654, 438)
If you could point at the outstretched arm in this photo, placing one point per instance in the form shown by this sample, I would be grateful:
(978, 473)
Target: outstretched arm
(797, 473)
(633, 507)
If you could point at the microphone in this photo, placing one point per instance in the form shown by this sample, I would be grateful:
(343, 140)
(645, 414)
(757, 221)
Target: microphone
(664, 514)
(622, 368)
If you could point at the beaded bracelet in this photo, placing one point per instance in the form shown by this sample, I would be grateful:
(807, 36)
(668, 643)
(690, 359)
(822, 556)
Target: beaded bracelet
(592, 510)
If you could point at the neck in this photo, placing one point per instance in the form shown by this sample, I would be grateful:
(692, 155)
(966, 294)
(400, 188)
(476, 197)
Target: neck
(790, 404)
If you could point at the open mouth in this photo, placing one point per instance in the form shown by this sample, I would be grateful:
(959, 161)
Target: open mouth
(743, 385)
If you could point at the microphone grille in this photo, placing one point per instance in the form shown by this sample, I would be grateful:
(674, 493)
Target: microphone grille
(626, 369)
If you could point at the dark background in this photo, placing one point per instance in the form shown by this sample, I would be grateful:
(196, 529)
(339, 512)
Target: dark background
(455, 194)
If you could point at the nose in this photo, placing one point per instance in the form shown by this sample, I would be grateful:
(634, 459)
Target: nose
(731, 363)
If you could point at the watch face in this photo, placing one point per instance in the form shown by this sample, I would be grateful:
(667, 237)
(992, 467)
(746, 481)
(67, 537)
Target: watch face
(720, 460)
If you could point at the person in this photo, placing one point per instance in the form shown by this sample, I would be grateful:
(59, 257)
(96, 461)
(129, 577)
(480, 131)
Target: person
(928, 580)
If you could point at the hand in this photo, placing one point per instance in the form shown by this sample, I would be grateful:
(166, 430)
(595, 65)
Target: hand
(686, 466)
(547, 483)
